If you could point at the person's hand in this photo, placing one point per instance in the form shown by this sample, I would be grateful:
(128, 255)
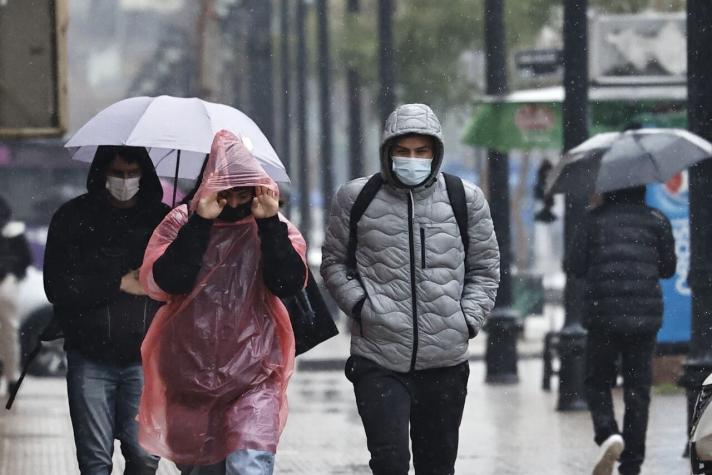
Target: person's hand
(130, 284)
(264, 204)
(210, 206)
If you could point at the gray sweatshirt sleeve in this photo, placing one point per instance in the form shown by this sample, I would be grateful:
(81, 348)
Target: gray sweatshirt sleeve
(482, 265)
(346, 289)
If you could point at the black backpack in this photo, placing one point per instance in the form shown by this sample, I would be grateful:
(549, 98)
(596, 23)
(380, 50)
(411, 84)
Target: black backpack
(455, 192)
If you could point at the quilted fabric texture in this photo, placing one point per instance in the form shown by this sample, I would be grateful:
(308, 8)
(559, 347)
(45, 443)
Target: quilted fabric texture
(395, 327)
(412, 118)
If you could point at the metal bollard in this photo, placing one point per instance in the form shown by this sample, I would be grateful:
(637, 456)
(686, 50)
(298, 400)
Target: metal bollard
(501, 356)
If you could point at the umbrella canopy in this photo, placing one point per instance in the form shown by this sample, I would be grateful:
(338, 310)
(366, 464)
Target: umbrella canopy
(616, 160)
(176, 131)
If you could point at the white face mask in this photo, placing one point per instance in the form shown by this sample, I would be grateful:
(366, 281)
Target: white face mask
(412, 171)
(123, 189)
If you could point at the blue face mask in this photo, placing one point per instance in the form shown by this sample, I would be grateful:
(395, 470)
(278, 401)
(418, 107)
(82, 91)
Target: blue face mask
(412, 171)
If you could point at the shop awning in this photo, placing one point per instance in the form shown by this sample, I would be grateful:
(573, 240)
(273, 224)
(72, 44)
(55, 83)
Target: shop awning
(531, 119)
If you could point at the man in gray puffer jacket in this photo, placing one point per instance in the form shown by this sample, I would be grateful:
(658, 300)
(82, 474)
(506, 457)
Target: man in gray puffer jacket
(414, 297)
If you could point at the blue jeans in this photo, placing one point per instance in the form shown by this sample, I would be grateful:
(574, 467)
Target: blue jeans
(239, 462)
(103, 404)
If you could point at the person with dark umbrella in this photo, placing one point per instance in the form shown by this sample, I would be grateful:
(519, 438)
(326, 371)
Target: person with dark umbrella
(622, 249)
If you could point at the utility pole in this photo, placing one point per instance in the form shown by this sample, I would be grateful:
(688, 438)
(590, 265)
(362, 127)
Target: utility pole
(502, 326)
(387, 101)
(572, 338)
(353, 87)
(259, 54)
(286, 116)
(327, 172)
(699, 116)
(302, 161)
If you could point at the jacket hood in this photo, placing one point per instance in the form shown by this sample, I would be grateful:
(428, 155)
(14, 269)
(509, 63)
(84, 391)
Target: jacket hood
(230, 164)
(411, 119)
(150, 189)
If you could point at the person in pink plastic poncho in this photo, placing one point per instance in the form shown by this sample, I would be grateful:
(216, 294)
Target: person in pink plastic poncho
(220, 352)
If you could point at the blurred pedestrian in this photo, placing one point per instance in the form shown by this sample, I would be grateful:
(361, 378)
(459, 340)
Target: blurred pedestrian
(411, 256)
(621, 250)
(221, 351)
(94, 248)
(15, 258)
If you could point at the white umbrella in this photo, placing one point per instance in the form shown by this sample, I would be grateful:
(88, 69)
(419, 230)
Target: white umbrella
(616, 160)
(176, 131)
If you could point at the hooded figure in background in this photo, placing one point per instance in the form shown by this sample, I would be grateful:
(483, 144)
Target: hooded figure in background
(15, 258)
(416, 296)
(95, 246)
(220, 353)
(622, 248)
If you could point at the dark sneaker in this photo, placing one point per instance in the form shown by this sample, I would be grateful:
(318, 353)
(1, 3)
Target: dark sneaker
(611, 449)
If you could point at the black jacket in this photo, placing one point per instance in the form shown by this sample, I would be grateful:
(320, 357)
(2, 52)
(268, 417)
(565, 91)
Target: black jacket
(622, 250)
(15, 254)
(283, 270)
(90, 246)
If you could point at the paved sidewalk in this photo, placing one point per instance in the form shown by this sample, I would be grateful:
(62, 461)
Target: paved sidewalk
(506, 430)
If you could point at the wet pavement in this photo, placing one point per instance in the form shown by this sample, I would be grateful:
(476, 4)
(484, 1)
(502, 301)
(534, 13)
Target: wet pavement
(505, 430)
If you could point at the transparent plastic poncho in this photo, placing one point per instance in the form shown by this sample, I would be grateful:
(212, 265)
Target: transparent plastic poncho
(218, 359)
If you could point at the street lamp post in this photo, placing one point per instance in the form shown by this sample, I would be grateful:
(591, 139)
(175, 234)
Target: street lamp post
(572, 338)
(302, 162)
(327, 188)
(285, 66)
(699, 115)
(259, 53)
(353, 88)
(387, 99)
(502, 326)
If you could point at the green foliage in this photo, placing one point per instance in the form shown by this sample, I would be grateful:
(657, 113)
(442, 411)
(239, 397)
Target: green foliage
(525, 19)
(430, 39)
(618, 6)
(432, 35)
(635, 6)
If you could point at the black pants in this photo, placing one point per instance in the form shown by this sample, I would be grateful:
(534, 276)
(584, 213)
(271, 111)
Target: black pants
(429, 401)
(636, 352)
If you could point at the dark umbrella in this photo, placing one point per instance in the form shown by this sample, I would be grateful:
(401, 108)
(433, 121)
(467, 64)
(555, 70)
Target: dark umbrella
(616, 160)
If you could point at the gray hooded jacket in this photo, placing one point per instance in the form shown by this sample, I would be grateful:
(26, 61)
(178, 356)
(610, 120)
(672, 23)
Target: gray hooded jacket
(417, 298)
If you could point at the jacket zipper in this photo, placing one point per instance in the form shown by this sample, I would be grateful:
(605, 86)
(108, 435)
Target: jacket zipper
(108, 321)
(411, 243)
(145, 305)
(422, 246)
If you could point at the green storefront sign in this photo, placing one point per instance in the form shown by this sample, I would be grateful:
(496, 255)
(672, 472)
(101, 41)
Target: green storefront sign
(533, 121)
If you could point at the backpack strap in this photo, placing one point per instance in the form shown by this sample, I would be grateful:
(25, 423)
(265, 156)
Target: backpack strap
(456, 194)
(362, 201)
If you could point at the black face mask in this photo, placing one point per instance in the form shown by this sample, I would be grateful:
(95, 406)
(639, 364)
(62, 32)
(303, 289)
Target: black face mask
(231, 214)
